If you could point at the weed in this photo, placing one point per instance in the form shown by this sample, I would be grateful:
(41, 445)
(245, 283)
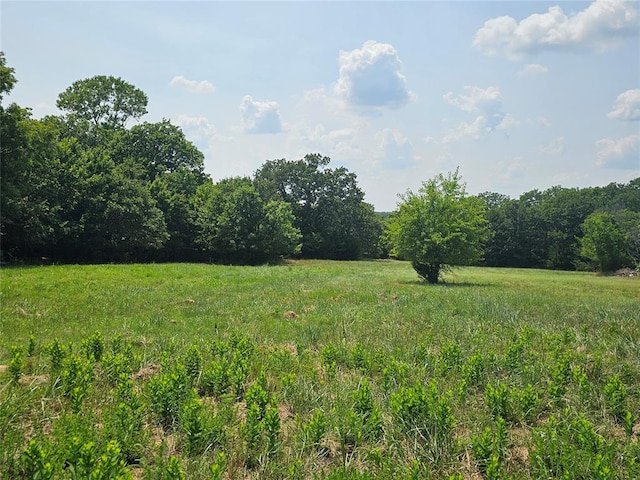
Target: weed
(93, 347)
(426, 415)
(16, 364)
(496, 397)
(615, 397)
(489, 450)
(450, 357)
(35, 462)
(168, 392)
(193, 363)
(314, 430)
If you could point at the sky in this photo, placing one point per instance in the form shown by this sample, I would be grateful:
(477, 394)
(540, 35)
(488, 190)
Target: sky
(516, 95)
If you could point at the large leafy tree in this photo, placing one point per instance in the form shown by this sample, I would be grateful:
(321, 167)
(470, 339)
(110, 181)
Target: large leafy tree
(103, 100)
(161, 148)
(236, 225)
(439, 226)
(328, 205)
(29, 196)
(173, 168)
(604, 243)
(108, 214)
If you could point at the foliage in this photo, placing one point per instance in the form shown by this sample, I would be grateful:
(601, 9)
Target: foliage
(84, 187)
(235, 225)
(542, 229)
(603, 242)
(438, 226)
(103, 100)
(327, 204)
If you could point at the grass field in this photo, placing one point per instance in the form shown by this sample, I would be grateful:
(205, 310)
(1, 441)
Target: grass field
(317, 370)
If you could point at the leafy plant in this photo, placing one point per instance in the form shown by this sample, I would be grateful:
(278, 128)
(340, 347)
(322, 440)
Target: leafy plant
(615, 396)
(489, 449)
(16, 364)
(193, 362)
(426, 415)
(168, 392)
(94, 347)
(314, 430)
(35, 462)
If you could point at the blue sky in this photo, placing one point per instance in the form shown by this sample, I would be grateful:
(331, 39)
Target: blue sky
(518, 95)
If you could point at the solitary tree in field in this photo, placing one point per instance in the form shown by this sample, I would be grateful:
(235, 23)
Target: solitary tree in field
(439, 226)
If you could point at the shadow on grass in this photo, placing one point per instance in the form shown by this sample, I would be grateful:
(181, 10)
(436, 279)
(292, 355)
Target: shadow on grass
(445, 284)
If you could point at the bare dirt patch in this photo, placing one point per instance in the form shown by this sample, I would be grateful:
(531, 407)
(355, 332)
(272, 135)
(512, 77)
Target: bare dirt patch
(145, 372)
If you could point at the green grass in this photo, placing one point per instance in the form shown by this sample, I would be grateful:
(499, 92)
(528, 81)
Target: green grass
(373, 374)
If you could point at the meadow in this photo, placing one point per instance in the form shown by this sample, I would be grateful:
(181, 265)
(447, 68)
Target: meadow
(317, 369)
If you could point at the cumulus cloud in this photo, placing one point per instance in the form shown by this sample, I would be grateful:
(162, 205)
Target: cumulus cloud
(533, 69)
(339, 143)
(371, 77)
(627, 106)
(602, 25)
(474, 130)
(623, 153)
(513, 170)
(557, 146)
(476, 99)
(487, 103)
(396, 148)
(260, 117)
(192, 86)
(199, 128)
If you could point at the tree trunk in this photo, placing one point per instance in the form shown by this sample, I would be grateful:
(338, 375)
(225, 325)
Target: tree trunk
(429, 272)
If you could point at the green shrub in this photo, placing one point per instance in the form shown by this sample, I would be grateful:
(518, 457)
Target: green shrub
(425, 415)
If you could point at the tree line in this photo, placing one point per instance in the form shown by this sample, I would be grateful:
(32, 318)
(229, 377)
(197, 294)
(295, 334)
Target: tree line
(84, 187)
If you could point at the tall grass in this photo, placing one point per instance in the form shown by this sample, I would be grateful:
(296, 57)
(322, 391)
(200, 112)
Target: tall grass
(319, 368)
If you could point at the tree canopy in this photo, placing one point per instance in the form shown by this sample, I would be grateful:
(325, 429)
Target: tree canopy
(86, 187)
(439, 226)
(327, 203)
(103, 100)
(604, 243)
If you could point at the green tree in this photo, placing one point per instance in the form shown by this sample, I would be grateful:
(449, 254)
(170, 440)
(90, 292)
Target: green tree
(29, 195)
(439, 226)
(328, 205)
(7, 77)
(604, 243)
(161, 148)
(629, 223)
(103, 100)
(109, 215)
(236, 225)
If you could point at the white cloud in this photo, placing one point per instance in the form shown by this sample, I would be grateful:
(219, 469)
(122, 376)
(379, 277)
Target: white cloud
(488, 103)
(396, 149)
(338, 143)
(557, 146)
(627, 106)
(260, 117)
(372, 77)
(513, 171)
(200, 129)
(477, 99)
(475, 130)
(533, 69)
(192, 86)
(602, 25)
(623, 153)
